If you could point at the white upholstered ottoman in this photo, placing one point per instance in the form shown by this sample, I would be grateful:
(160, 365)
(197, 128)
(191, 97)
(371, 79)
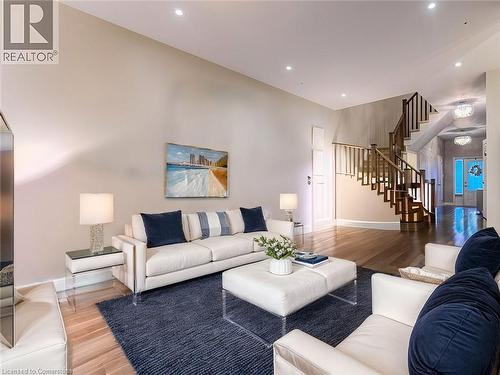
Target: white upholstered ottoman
(283, 295)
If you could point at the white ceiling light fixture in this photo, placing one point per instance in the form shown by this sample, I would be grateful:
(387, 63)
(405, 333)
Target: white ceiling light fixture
(343, 95)
(288, 67)
(179, 12)
(458, 64)
(462, 140)
(431, 5)
(463, 110)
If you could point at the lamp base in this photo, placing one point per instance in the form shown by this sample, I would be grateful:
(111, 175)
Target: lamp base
(289, 215)
(96, 238)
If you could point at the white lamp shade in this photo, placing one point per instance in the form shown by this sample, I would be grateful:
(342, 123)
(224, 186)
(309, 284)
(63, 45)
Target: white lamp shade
(288, 201)
(96, 208)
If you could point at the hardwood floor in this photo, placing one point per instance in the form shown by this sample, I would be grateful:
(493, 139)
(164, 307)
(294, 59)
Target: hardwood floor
(93, 349)
(386, 251)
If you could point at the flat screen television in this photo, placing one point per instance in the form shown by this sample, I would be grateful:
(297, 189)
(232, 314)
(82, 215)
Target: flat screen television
(6, 234)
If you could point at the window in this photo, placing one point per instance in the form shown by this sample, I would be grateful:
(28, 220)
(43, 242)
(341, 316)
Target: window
(459, 177)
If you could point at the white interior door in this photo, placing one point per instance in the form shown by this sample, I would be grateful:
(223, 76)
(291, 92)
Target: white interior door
(321, 206)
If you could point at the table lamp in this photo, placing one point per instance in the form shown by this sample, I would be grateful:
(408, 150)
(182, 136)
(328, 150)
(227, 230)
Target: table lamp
(96, 210)
(288, 203)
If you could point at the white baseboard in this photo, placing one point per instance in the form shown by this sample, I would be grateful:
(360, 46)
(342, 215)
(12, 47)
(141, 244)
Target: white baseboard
(83, 279)
(384, 225)
(325, 225)
(309, 228)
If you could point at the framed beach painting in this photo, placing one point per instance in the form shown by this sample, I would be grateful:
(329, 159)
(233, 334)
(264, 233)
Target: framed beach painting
(194, 172)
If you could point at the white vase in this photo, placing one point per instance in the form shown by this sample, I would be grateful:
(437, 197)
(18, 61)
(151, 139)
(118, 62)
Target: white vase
(281, 266)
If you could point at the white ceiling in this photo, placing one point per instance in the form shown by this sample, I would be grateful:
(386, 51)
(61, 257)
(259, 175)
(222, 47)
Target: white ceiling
(368, 50)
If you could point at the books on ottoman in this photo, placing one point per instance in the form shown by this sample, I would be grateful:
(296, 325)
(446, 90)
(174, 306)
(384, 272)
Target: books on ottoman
(310, 260)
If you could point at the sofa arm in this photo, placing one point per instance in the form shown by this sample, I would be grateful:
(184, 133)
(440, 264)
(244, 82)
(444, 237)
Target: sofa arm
(441, 256)
(399, 299)
(282, 227)
(299, 353)
(129, 246)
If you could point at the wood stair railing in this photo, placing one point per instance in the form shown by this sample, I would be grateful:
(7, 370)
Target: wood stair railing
(384, 170)
(416, 111)
(400, 185)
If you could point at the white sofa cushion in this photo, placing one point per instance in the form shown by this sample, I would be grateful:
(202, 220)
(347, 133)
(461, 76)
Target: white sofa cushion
(236, 221)
(170, 258)
(194, 226)
(252, 235)
(41, 338)
(139, 231)
(381, 344)
(226, 247)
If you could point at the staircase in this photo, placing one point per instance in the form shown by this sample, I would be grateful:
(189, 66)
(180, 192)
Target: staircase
(384, 169)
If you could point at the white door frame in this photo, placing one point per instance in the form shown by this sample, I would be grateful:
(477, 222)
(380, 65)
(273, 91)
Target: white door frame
(460, 200)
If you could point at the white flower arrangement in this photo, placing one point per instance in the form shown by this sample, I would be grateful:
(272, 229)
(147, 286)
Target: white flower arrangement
(277, 248)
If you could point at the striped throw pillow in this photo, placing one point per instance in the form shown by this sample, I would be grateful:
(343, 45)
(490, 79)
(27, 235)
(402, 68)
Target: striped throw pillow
(214, 224)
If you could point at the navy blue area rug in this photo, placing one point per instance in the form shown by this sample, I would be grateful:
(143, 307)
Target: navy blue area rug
(179, 329)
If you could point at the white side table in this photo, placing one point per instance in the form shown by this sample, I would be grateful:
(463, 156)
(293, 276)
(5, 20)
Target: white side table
(82, 261)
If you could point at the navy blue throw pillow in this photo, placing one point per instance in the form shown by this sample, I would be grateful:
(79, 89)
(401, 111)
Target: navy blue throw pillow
(482, 249)
(253, 219)
(458, 330)
(163, 229)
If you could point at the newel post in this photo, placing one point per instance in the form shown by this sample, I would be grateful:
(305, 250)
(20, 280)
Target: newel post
(422, 188)
(433, 195)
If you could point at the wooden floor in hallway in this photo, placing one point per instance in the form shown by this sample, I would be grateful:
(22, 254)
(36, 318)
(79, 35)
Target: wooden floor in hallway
(93, 349)
(388, 250)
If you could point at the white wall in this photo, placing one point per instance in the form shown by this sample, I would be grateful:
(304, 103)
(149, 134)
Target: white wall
(493, 147)
(431, 158)
(364, 125)
(98, 122)
(368, 123)
(356, 202)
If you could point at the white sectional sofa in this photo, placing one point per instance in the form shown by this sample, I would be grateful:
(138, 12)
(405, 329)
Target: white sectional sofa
(441, 259)
(378, 346)
(149, 268)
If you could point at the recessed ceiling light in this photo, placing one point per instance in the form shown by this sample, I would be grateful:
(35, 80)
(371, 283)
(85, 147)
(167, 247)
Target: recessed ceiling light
(431, 5)
(179, 12)
(288, 67)
(458, 64)
(343, 95)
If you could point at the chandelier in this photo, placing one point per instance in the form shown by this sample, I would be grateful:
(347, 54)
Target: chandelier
(463, 110)
(462, 140)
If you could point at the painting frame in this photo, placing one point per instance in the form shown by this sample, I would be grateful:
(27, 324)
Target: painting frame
(195, 172)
